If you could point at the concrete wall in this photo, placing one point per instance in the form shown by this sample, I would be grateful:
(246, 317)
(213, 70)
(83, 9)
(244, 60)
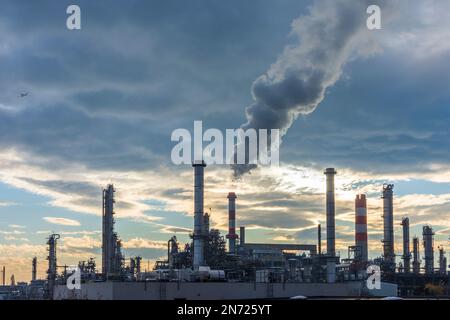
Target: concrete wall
(214, 291)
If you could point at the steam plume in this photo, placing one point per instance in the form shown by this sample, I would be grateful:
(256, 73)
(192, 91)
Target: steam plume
(326, 38)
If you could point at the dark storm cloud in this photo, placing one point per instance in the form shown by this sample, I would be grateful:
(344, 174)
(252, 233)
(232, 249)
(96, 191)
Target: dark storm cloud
(395, 125)
(296, 84)
(71, 187)
(109, 95)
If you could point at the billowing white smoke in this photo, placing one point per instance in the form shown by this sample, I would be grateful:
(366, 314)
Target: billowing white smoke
(326, 38)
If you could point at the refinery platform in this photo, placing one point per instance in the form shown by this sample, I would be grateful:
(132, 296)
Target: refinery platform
(207, 268)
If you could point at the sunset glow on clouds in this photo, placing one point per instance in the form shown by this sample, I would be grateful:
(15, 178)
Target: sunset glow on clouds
(106, 117)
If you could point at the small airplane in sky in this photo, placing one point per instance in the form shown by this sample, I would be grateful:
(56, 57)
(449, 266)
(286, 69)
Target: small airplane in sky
(23, 95)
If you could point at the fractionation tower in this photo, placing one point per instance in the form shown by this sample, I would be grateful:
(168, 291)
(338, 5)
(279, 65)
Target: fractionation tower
(428, 247)
(330, 207)
(330, 173)
(361, 227)
(442, 261)
(242, 236)
(52, 264)
(406, 250)
(388, 228)
(198, 236)
(112, 258)
(33, 269)
(416, 256)
(231, 236)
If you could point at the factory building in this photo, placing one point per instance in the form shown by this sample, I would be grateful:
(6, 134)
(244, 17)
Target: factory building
(255, 270)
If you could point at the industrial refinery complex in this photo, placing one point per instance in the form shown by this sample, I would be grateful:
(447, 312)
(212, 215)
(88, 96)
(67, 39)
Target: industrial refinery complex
(208, 268)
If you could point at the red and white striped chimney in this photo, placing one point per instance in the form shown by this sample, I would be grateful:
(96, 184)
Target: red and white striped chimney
(231, 236)
(361, 226)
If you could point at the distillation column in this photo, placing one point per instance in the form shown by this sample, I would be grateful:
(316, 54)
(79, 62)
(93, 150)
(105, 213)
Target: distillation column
(361, 227)
(242, 236)
(429, 250)
(416, 259)
(442, 261)
(406, 250)
(199, 167)
(33, 269)
(108, 240)
(52, 264)
(388, 228)
(231, 236)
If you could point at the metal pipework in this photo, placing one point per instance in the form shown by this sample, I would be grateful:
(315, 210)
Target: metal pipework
(330, 173)
(406, 250)
(199, 167)
(416, 260)
(361, 227)
(232, 236)
(428, 247)
(388, 229)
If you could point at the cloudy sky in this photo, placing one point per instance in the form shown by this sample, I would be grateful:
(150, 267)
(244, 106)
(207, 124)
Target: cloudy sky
(104, 100)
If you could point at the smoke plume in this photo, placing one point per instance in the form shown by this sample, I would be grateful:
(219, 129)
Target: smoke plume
(326, 38)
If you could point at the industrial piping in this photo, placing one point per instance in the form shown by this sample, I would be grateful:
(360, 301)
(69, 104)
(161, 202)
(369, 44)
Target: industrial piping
(231, 236)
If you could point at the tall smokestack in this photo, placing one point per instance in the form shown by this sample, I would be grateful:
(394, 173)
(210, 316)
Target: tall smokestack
(429, 250)
(388, 222)
(231, 236)
(242, 236)
(199, 167)
(406, 251)
(361, 226)
(33, 269)
(331, 251)
(416, 259)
